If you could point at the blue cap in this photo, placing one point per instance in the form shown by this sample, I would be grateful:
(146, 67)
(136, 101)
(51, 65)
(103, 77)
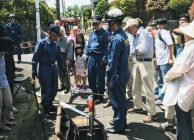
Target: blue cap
(55, 30)
(96, 18)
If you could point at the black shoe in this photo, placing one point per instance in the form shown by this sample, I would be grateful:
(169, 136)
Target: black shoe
(61, 89)
(52, 108)
(107, 104)
(165, 127)
(98, 101)
(113, 131)
(66, 91)
(46, 115)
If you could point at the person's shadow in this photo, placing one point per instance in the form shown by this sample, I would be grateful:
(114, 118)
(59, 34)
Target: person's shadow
(141, 131)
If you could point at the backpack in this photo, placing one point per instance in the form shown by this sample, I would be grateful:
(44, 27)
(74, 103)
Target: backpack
(160, 37)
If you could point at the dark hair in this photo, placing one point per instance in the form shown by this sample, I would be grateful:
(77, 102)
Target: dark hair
(185, 16)
(79, 45)
(83, 40)
(161, 21)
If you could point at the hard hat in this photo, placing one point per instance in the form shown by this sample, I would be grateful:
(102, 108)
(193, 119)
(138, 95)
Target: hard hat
(115, 14)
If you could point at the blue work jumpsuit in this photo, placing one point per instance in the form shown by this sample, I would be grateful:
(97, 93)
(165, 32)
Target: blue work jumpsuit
(97, 55)
(46, 54)
(117, 77)
(14, 32)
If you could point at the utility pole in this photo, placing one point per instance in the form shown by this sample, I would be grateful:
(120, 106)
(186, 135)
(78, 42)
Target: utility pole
(63, 7)
(94, 3)
(37, 20)
(58, 9)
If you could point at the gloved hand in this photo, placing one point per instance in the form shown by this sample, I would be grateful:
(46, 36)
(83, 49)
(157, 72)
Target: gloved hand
(34, 75)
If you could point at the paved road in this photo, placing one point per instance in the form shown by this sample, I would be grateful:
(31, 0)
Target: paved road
(136, 129)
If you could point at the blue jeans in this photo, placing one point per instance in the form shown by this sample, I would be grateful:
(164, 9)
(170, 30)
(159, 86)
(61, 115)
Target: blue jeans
(184, 124)
(162, 70)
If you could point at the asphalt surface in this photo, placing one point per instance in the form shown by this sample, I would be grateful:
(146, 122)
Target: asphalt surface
(29, 126)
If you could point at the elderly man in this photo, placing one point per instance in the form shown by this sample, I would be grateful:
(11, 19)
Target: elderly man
(143, 69)
(117, 71)
(96, 51)
(46, 54)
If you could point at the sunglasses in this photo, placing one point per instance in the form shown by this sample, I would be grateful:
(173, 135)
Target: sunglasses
(95, 23)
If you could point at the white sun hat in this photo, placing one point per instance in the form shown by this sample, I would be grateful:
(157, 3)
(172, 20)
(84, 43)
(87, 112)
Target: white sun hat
(188, 29)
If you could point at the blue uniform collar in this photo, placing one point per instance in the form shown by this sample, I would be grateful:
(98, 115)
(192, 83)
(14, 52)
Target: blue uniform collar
(49, 41)
(117, 31)
(99, 31)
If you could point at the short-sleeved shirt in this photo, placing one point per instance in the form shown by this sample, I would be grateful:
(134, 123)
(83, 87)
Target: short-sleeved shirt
(161, 49)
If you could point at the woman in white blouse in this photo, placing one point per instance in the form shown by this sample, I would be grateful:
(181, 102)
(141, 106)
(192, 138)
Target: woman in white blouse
(183, 69)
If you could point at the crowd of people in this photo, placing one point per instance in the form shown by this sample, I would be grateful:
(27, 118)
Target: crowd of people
(155, 57)
(119, 59)
(10, 43)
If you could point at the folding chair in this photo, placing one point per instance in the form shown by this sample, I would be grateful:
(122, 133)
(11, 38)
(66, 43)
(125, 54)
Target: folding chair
(19, 84)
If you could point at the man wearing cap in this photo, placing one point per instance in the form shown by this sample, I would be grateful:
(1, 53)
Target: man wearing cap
(96, 51)
(143, 69)
(117, 70)
(13, 29)
(46, 54)
(183, 70)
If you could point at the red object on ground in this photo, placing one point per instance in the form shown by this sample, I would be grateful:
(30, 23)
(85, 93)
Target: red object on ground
(90, 104)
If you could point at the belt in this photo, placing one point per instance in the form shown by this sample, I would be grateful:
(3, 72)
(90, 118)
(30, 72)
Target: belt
(144, 59)
(95, 53)
(49, 64)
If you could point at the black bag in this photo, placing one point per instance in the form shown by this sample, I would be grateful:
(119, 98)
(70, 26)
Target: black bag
(160, 37)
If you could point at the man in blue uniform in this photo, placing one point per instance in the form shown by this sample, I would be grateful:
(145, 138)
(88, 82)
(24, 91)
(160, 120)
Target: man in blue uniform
(117, 70)
(46, 54)
(96, 51)
(13, 29)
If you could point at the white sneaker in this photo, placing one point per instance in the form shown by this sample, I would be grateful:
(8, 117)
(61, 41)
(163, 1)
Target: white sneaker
(11, 117)
(158, 102)
(14, 109)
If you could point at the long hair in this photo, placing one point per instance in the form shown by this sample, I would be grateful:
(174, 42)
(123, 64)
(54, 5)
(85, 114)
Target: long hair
(80, 45)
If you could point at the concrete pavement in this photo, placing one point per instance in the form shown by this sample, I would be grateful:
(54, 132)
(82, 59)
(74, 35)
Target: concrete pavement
(136, 129)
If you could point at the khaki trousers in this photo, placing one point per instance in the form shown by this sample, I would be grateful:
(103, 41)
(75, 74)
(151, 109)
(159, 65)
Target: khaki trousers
(143, 75)
(130, 81)
(5, 102)
(170, 112)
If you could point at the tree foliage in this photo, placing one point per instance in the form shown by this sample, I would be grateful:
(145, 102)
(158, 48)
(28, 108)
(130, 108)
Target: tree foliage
(5, 8)
(87, 17)
(156, 5)
(128, 7)
(179, 7)
(24, 11)
(102, 8)
(73, 12)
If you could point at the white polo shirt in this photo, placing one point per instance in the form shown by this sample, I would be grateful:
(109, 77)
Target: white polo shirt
(161, 49)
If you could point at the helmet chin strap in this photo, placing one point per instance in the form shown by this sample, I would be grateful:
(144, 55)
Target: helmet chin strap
(109, 25)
